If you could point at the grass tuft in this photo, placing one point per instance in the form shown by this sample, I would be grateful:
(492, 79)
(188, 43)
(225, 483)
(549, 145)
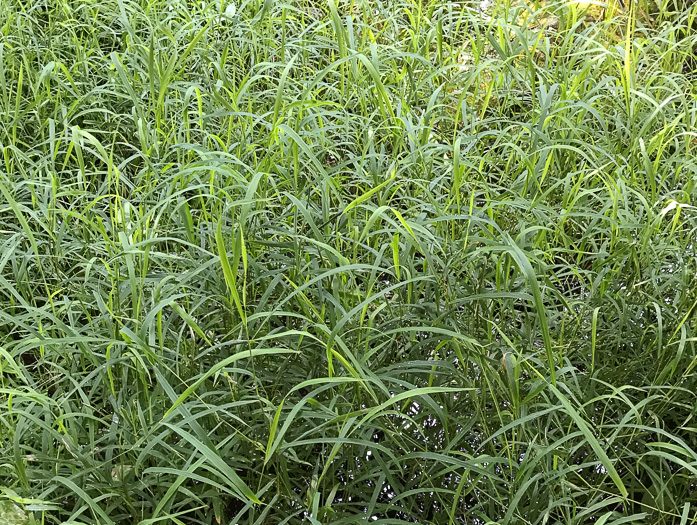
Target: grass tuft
(394, 261)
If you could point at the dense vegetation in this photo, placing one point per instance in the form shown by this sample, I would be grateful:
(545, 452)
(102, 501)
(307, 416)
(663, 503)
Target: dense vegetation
(391, 261)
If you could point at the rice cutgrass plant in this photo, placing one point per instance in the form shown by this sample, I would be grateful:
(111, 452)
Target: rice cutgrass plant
(404, 262)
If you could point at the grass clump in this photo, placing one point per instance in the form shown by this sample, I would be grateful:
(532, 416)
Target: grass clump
(389, 261)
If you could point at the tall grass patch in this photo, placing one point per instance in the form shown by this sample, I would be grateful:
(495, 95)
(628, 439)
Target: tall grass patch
(347, 261)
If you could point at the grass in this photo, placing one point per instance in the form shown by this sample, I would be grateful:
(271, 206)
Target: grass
(312, 262)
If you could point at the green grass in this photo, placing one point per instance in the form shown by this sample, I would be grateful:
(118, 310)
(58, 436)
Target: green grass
(384, 262)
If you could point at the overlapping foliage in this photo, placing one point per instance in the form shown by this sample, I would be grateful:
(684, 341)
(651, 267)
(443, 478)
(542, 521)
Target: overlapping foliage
(387, 261)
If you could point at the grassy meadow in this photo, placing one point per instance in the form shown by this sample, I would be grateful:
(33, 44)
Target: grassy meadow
(367, 261)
